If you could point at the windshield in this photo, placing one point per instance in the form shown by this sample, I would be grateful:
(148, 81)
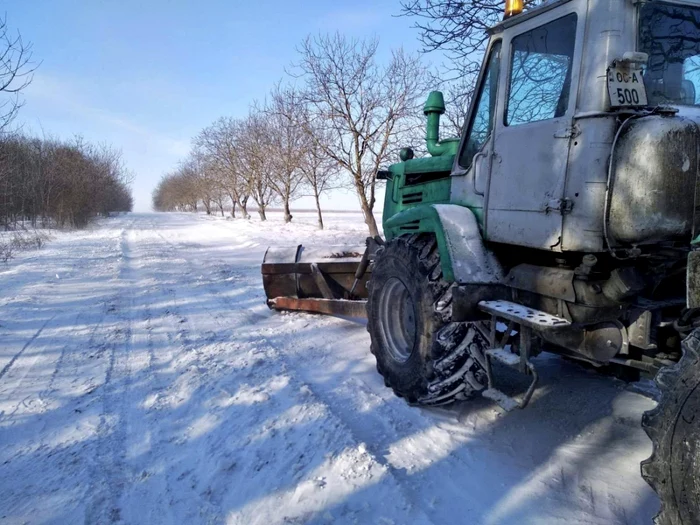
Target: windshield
(670, 34)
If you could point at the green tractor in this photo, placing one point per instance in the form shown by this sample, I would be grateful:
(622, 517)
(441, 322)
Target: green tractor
(564, 220)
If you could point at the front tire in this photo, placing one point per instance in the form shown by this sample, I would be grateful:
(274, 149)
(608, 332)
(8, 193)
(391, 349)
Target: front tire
(422, 355)
(674, 428)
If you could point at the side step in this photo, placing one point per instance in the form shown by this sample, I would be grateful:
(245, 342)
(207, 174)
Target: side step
(520, 363)
(529, 320)
(504, 356)
(523, 315)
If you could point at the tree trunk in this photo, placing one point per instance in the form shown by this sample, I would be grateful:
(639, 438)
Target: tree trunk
(233, 208)
(261, 211)
(287, 213)
(318, 209)
(369, 216)
(244, 208)
(221, 208)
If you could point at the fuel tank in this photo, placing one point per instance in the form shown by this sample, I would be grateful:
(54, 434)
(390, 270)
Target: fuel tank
(653, 180)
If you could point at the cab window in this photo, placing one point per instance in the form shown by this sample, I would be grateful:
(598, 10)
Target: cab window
(669, 35)
(482, 120)
(540, 72)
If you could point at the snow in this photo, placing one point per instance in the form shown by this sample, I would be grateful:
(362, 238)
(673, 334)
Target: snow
(143, 380)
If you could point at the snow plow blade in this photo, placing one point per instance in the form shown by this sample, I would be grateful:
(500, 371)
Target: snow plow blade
(317, 279)
(321, 306)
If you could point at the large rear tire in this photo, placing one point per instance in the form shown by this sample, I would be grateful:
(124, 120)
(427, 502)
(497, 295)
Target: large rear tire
(674, 428)
(423, 356)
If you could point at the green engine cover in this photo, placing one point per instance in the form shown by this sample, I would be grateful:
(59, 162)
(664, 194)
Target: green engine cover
(415, 186)
(415, 183)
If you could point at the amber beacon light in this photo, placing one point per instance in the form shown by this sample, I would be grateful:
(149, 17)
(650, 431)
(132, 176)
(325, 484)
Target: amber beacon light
(513, 7)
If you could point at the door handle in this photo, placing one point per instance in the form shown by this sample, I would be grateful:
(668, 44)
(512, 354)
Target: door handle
(475, 171)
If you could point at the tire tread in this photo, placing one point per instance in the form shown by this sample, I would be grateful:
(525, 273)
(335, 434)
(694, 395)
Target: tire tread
(451, 361)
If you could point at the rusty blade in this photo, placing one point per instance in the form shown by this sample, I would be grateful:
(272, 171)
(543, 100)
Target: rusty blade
(321, 306)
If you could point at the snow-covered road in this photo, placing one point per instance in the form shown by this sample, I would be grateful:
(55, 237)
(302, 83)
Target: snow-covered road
(143, 380)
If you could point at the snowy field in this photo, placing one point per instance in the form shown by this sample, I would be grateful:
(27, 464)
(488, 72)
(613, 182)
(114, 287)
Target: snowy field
(143, 380)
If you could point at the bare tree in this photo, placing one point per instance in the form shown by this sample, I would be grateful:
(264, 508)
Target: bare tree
(458, 29)
(176, 191)
(208, 182)
(218, 143)
(361, 107)
(288, 140)
(218, 192)
(16, 72)
(320, 171)
(255, 154)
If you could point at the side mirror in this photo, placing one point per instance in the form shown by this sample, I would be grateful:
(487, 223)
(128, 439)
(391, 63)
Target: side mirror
(384, 175)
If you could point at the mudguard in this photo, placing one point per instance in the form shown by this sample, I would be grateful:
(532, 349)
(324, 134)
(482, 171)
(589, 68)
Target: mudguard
(463, 255)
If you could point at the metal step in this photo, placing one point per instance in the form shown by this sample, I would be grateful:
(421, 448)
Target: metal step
(515, 361)
(535, 319)
(504, 356)
(506, 402)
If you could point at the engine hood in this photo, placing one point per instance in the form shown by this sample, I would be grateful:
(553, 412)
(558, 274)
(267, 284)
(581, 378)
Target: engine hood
(654, 176)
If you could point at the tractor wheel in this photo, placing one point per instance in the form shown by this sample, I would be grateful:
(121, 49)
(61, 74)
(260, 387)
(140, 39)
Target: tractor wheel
(423, 356)
(674, 428)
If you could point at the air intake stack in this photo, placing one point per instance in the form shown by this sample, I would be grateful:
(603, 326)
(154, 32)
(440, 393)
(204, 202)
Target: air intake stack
(434, 107)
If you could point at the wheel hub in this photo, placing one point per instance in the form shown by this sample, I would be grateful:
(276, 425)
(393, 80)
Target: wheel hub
(397, 319)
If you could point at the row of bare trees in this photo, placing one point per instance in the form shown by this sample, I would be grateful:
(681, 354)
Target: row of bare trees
(340, 118)
(59, 183)
(45, 181)
(265, 158)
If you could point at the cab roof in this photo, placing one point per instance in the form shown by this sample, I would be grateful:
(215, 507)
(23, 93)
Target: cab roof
(551, 4)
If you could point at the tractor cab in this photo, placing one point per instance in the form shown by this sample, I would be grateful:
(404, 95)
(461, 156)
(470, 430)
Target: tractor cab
(556, 83)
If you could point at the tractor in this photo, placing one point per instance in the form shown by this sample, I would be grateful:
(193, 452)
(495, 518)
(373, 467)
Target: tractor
(565, 219)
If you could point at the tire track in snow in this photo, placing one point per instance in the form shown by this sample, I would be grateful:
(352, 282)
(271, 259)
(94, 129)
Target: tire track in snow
(44, 431)
(60, 362)
(274, 355)
(190, 366)
(141, 433)
(44, 393)
(48, 334)
(109, 476)
(404, 439)
(159, 508)
(70, 357)
(31, 340)
(212, 289)
(52, 448)
(182, 355)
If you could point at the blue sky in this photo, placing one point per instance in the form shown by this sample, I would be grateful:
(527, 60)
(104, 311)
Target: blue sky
(146, 76)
